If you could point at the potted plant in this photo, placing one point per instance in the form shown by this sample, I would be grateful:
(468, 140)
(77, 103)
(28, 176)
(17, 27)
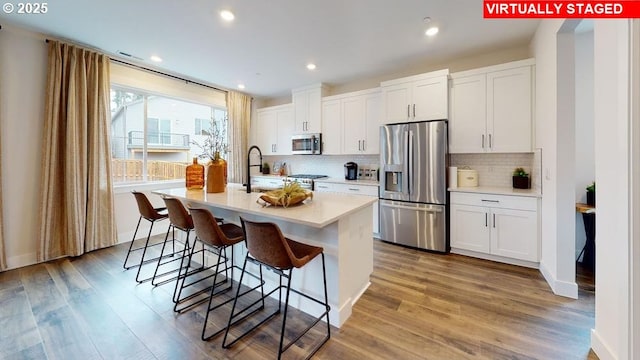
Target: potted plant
(265, 168)
(591, 194)
(521, 179)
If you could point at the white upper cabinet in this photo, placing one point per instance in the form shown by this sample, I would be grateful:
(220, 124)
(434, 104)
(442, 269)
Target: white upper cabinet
(274, 129)
(492, 109)
(352, 119)
(331, 127)
(307, 108)
(416, 98)
(509, 110)
(467, 127)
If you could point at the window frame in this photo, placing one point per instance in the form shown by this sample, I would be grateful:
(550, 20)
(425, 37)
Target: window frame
(146, 94)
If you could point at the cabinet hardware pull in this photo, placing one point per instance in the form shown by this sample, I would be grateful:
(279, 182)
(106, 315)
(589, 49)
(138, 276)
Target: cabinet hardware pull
(494, 221)
(414, 110)
(486, 219)
(354, 189)
(491, 201)
(483, 141)
(408, 107)
(490, 146)
(363, 148)
(358, 145)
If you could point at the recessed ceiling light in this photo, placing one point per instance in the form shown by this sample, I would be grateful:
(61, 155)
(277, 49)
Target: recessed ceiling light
(311, 66)
(431, 31)
(240, 86)
(156, 58)
(227, 15)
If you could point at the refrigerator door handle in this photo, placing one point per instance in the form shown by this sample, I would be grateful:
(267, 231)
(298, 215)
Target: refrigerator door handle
(410, 161)
(405, 171)
(433, 210)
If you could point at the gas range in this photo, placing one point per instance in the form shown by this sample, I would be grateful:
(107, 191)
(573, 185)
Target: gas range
(305, 180)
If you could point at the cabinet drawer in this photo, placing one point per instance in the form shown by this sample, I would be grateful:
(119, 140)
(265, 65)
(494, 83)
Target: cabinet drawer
(267, 182)
(495, 201)
(347, 188)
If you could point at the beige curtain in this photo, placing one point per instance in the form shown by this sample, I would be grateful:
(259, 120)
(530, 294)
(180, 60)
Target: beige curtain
(77, 198)
(239, 110)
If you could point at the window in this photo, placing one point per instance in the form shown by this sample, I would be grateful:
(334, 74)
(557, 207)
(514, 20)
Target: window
(152, 137)
(158, 131)
(203, 126)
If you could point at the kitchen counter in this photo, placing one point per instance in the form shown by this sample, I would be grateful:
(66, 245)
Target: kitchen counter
(344, 181)
(497, 191)
(340, 223)
(324, 209)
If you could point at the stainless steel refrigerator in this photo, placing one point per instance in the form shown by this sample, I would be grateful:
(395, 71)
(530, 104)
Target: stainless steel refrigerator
(413, 193)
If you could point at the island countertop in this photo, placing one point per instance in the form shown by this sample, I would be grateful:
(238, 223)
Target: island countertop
(324, 209)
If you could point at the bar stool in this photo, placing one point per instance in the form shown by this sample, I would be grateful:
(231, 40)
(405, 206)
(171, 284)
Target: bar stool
(268, 247)
(214, 237)
(180, 219)
(151, 214)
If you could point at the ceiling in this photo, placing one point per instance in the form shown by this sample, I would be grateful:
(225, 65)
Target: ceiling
(269, 43)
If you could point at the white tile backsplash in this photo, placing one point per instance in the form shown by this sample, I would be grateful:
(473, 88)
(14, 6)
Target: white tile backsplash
(330, 165)
(495, 170)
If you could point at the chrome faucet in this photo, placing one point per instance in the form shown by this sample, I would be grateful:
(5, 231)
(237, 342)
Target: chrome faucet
(249, 166)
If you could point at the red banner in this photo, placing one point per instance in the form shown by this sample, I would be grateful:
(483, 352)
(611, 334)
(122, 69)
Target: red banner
(504, 9)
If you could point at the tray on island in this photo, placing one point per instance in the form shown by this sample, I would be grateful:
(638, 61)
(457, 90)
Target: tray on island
(274, 198)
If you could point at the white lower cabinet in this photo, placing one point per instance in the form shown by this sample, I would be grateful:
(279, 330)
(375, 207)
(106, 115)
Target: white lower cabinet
(503, 226)
(344, 188)
(266, 182)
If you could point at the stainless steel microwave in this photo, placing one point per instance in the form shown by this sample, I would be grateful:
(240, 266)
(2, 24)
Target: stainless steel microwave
(306, 144)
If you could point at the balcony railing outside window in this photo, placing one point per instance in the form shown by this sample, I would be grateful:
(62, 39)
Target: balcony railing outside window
(158, 140)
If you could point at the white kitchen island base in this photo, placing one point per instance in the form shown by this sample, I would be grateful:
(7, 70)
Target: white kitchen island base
(341, 224)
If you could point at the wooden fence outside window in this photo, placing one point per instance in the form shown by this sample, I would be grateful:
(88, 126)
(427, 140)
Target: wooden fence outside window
(125, 170)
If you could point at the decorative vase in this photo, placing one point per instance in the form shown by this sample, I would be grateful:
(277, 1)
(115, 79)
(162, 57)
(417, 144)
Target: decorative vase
(194, 179)
(591, 198)
(521, 182)
(217, 174)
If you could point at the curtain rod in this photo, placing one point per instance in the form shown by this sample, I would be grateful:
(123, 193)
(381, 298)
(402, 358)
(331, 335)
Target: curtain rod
(161, 73)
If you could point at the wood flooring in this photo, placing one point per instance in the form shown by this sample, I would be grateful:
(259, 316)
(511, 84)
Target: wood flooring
(419, 306)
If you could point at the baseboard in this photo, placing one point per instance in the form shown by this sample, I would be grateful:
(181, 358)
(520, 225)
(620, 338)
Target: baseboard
(496, 258)
(561, 288)
(600, 347)
(14, 262)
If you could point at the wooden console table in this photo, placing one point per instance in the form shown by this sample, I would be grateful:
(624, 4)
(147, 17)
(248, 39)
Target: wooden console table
(589, 218)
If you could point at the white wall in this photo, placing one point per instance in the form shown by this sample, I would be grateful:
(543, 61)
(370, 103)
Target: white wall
(544, 45)
(611, 336)
(23, 72)
(585, 148)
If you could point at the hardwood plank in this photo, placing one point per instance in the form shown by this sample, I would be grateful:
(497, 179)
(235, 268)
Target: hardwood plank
(63, 337)
(419, 306)
(107, 331)
(35, 352)
(19, 329)
(159, 337)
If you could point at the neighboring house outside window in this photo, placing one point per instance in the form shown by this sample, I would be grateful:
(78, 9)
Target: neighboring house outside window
(163, 151)
(202, 127)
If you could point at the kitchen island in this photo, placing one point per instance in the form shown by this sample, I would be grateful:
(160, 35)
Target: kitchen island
(340, 223)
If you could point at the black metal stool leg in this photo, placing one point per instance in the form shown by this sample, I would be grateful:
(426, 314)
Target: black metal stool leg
(284, 317)
(131, 245)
